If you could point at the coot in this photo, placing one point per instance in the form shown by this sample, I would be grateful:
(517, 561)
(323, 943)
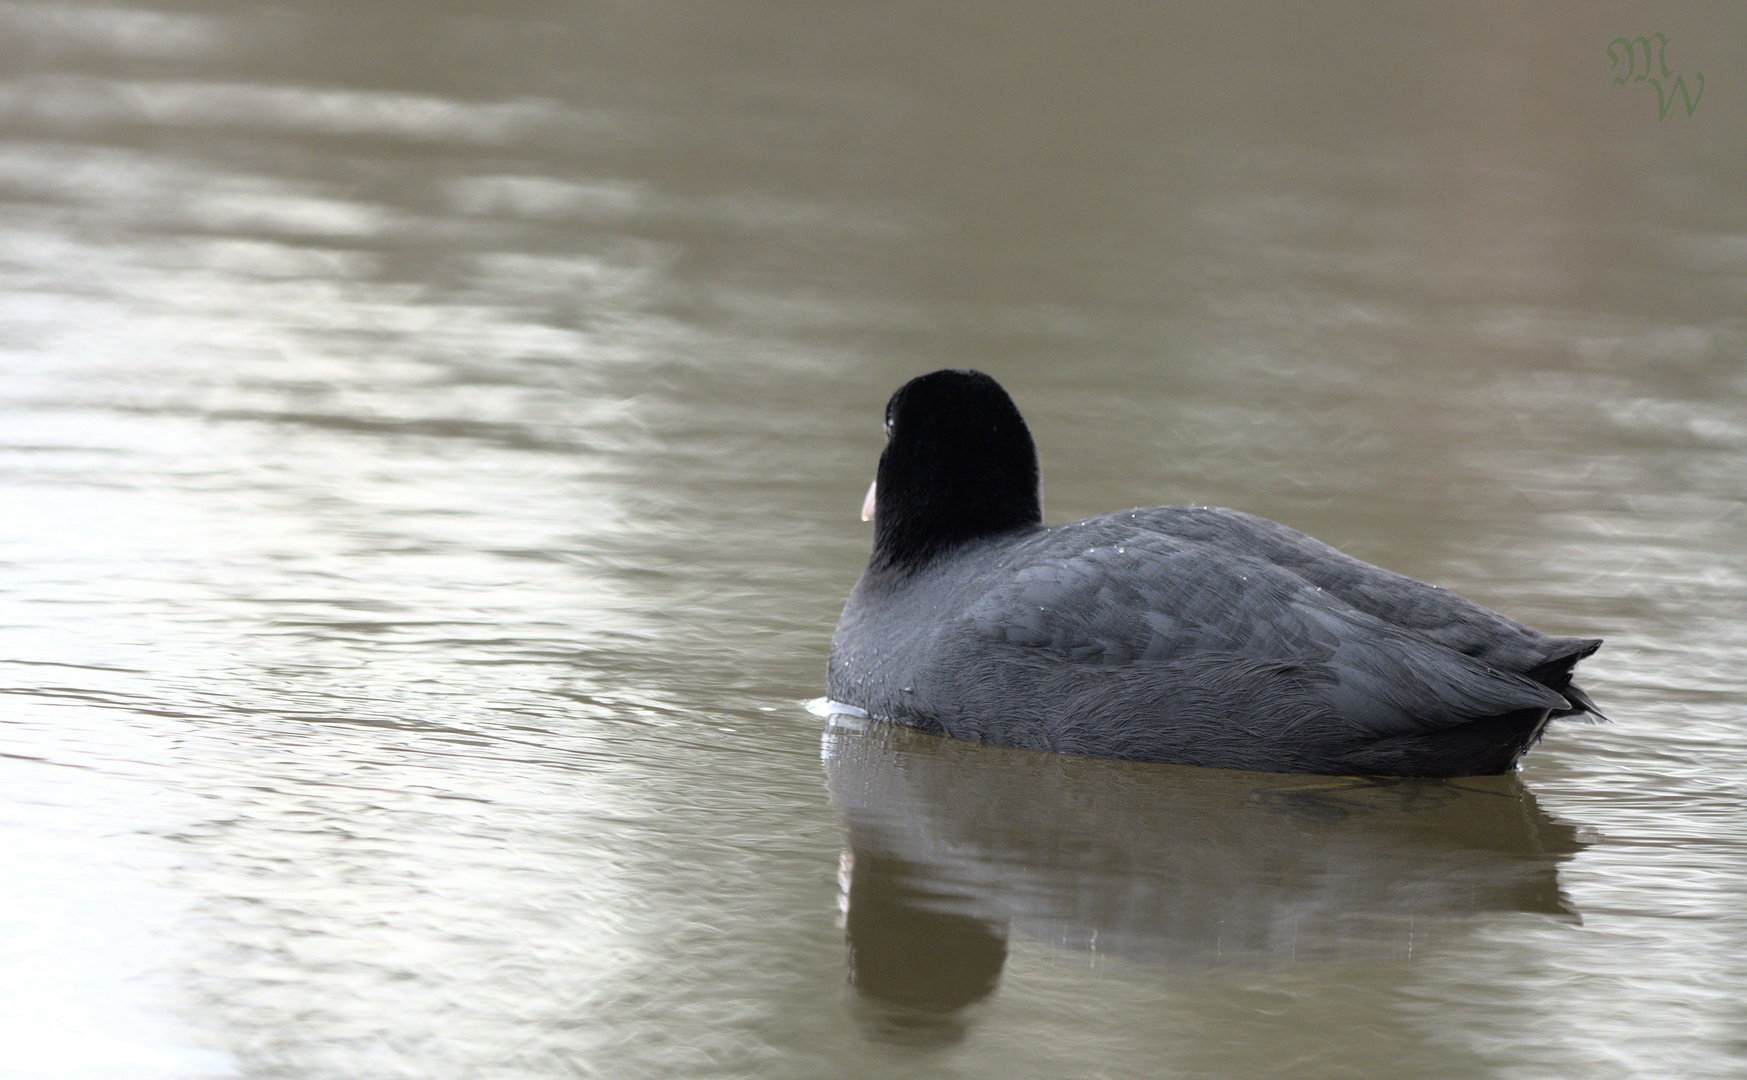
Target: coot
(1184, 634)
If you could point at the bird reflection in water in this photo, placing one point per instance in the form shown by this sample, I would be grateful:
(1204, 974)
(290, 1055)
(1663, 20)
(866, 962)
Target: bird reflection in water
(955, 847)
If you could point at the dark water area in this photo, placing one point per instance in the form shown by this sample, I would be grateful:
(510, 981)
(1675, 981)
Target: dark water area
(431, 438)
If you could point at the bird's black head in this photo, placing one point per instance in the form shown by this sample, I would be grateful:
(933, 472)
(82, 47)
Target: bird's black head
(959, 464)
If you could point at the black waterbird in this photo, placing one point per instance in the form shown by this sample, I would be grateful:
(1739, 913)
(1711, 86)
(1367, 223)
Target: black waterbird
(1184, 634)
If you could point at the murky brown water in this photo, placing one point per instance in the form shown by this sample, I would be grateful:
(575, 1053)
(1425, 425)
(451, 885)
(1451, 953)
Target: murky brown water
(431, 438)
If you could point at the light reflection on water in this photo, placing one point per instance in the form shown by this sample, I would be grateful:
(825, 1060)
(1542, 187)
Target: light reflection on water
(431, 445)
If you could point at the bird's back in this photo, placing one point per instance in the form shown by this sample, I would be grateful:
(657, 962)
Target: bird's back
(1198, 636)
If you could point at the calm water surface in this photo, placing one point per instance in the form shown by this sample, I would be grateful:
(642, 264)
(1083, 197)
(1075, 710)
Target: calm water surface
(430, 443)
